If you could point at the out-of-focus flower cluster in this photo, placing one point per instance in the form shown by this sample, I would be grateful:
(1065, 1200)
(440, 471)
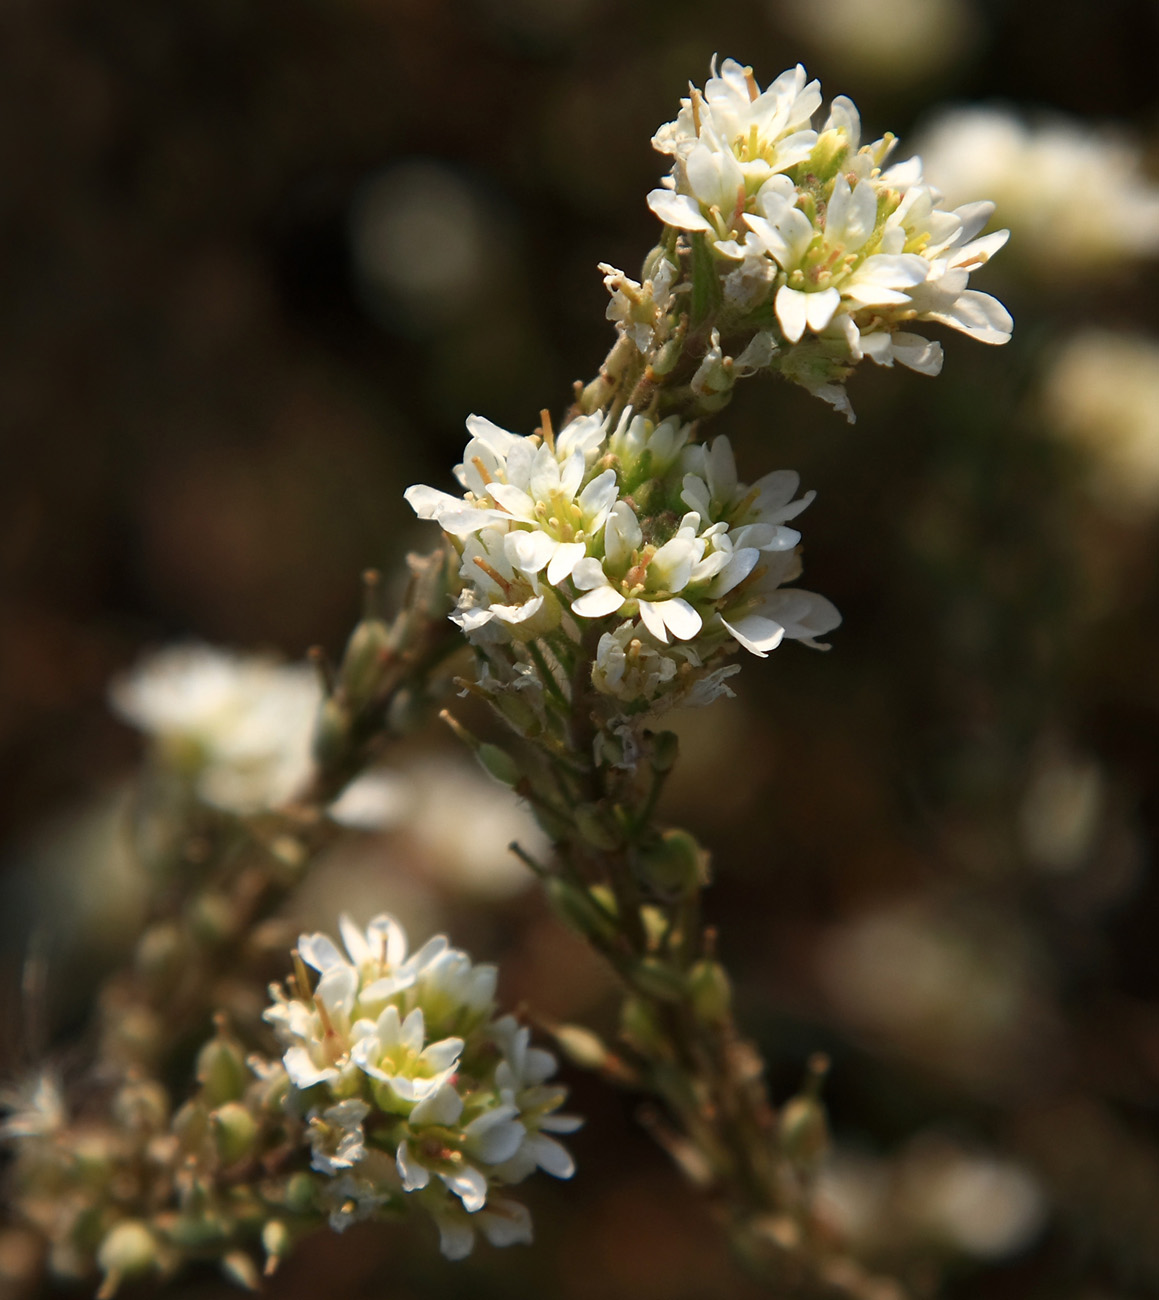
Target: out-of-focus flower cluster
(1101, 393)
(813, 238)
(627, 529)
(238, 728)
(413, 1088)
(1074, 195)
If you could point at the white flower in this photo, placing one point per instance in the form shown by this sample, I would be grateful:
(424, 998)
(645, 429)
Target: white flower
(337, 1139)
(35, 1107)
(637, 308)
(1075, 195)
(240, 727)
(429, 1092)
(396, 1052)
(847, 253)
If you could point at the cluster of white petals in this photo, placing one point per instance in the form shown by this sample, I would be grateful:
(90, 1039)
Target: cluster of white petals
(849, 253)
(1074, 195)
(413, 1086)
(632, 527)
(239, 726)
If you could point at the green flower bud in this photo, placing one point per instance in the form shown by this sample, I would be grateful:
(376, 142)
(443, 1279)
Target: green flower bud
(581, 1046)
(221, 1070)
(128, 1250)
(673, 864)
(235, 1132)
(498, 763)
(276, 1242)
(332, 733)
(301, 1194)
(592, 824)
(574, 905)
(804, 1131)
(640, 1026)
(711, 991)
(362, 663)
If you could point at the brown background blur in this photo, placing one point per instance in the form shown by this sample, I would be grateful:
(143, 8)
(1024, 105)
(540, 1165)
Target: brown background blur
(259, 260)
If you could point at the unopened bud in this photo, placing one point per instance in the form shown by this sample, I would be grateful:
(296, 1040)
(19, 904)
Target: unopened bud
(301, 1194)
(276, 1242)
(362, 663)
(142, 1105)
(221, 1070)
(711, 991)
(190, 1124)
(673, 864)
(239, 1268)
(579, 910)
(235, 1132)
(804, 1130)
(498, 763)
(127, 1251)
(331, 733)
(581, 1046)
(592, 824)
(640, 1026)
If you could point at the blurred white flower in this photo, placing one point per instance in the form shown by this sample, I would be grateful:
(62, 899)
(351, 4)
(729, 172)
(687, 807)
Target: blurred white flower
(1101, 393)
(885, 40)
(1073, 194)
(239, 727)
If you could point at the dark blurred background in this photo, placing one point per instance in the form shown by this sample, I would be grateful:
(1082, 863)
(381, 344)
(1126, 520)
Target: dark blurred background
(259, 261)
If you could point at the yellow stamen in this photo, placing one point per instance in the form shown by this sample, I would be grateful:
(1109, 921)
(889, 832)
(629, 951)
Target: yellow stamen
(546, 429)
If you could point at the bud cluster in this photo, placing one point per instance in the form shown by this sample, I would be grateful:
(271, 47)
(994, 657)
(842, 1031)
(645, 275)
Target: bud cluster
(626, 530)
(814, 252)
(412, 1088)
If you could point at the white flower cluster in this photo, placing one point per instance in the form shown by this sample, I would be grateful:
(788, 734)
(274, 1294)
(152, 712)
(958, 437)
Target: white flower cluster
(414, 1088)
(1074, 195)
(847, 253)
(239, 726)
(633, 528)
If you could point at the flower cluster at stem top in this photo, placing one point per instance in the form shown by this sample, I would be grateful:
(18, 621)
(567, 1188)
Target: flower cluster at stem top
(811, 234)
(628, 528)
(413, 1088)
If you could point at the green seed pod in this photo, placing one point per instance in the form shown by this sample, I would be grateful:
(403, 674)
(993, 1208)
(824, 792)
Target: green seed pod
(235, 1132)
(221, 1070)
(711, 991)
(498, 763)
